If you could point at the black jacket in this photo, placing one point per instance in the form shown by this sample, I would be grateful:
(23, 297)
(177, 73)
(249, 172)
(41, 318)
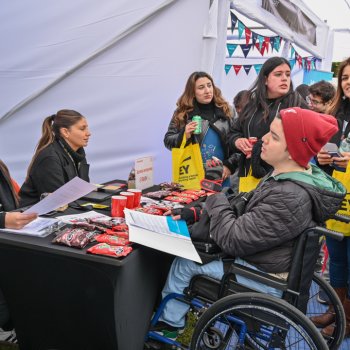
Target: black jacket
(52, 168)
(281, 208)
(221, 124)
(7, 199)
(255, 126)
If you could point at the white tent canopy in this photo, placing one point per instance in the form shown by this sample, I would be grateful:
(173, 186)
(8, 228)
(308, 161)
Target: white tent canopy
(122, 64)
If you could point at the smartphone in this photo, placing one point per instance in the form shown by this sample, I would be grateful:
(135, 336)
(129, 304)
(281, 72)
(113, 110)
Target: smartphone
(332, 149)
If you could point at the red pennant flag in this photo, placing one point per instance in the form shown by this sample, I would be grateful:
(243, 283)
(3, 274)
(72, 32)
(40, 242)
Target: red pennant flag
(258, 47)
(267, 42)
(299, 59)
(248, 35)
(308, 62)
(263, 48)
(237, 68)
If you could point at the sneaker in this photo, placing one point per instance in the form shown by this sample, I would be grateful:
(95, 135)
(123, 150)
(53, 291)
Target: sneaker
(322, 297)
(8, 336)
(166, 330)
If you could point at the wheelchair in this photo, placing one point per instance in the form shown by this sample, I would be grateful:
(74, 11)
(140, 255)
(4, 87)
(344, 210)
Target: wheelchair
(233, 316)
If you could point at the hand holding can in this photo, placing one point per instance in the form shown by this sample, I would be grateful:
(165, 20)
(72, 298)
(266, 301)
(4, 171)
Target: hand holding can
(198, 120)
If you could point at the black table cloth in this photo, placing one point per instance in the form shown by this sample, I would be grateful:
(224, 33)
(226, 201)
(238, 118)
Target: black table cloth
(62, 298)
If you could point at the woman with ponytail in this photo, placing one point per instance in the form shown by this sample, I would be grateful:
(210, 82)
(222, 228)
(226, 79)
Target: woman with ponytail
(59, 155)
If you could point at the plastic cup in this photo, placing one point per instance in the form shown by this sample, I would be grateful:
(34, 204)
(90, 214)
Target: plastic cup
(137, 196)
(118, 204)
(129, 199)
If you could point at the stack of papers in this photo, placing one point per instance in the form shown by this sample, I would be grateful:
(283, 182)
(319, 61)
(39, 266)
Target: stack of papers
(40, 227)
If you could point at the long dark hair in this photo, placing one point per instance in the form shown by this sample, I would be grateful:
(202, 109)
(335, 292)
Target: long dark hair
(65, 118)
(339, 95)
(5, 171)
(185, 101)
(258, 91)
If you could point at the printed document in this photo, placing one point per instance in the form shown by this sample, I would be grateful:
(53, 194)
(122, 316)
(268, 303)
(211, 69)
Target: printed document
(161, 233)
(39, 227)
(69, 192)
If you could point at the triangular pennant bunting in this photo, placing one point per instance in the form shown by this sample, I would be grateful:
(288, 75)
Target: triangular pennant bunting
(272, 43)
(292, 52)
(292, 63)
(254, 38)
(277, 43)
(233, 21)
(267, 42)
(241, 28)
(231, 49)
(248, 34)
(257, 68)
(246, 49)
(261, 41)
(247, 68)
(227, 68)
(237, 68)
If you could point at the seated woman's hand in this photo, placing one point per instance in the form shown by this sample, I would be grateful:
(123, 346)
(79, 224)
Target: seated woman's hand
(324, 158)
(190, 127)
(244, 145)
(16, 220)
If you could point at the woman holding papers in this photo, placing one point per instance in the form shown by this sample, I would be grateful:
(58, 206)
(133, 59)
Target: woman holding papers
(9, 202)
(13, 220)
(59, 156)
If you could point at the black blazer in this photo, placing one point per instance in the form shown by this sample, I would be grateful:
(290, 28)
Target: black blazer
(51, 169)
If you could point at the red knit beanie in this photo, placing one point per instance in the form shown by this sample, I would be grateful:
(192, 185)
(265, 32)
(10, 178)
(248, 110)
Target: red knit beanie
(306, 132)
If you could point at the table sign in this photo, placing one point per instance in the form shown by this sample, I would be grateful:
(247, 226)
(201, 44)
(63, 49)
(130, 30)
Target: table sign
(144, 172)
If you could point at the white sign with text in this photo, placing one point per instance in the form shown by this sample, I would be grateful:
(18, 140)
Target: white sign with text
(143, 172)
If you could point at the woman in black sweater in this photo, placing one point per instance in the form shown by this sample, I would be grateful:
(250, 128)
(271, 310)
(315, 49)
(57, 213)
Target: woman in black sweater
(59, 156)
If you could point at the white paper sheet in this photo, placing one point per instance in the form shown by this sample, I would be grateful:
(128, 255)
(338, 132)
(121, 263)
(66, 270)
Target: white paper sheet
(39, 227)
(69, 192)
(161, 233)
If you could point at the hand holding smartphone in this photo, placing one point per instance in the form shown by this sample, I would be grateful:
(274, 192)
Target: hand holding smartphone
(332, 149)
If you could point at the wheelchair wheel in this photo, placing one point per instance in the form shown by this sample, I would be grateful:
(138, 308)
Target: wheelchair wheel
(255, 321)
(314, 308)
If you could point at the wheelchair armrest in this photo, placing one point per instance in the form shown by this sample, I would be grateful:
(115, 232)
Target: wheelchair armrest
(330, 233)
(259, 276)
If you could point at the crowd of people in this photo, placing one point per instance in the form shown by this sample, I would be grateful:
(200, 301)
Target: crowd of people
(295, 187)
(287, 158)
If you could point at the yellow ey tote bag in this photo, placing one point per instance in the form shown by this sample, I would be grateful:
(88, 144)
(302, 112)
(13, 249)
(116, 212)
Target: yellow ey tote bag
(344, 178)
(248, 183)
(188, 167)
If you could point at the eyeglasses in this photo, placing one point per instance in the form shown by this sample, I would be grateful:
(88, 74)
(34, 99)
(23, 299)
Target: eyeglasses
(312, 101)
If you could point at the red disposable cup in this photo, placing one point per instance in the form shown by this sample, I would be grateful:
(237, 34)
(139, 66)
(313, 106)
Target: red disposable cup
(137, 196)
(118, 204)
(129, 199)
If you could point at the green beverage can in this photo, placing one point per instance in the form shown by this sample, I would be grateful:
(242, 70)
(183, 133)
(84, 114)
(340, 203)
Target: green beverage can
(198, 120)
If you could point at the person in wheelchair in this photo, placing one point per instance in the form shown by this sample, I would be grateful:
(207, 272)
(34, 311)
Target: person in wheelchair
(295, 196)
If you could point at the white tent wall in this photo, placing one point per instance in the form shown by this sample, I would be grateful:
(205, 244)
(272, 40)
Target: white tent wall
(122, 64)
